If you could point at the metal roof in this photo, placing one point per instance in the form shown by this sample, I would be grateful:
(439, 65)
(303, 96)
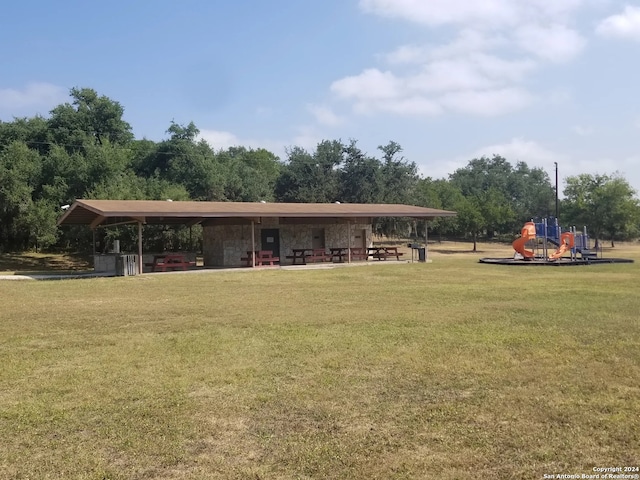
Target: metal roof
(108, 212)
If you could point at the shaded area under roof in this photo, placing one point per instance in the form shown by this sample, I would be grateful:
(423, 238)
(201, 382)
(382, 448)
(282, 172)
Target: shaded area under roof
(109, 212)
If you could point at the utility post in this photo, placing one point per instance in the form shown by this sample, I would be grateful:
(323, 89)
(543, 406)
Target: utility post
(556, 164)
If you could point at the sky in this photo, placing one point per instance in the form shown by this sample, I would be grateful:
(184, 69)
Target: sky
(540, 81)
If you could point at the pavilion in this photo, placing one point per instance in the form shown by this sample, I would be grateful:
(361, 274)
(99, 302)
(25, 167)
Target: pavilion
(233, 228)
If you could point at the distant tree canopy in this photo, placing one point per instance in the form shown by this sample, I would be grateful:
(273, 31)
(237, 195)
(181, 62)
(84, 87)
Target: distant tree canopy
(85, 149)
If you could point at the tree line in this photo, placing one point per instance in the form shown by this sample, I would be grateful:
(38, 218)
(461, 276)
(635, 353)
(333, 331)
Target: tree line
(85, 149)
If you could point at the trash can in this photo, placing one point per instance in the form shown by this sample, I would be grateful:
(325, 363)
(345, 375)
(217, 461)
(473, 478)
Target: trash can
(126, 265)
(422, 251)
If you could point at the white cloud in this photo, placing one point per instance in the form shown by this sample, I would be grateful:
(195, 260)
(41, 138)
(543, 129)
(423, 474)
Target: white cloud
(35, 97)
(370, 84)
(307, 137)
(482, 71)
(485, 13)
(408, 54)
(325, 116)
(521, 150)
(478, 83)
(469, 41)
(556, 43)
(488, 102)
(625, 25)
(440, 12)
(219, 140)
(582, 130)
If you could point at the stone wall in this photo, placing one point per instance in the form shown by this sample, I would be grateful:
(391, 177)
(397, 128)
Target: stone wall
(225, 245)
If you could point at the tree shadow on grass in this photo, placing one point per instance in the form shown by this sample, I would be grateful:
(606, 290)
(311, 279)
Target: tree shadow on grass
(34, 263)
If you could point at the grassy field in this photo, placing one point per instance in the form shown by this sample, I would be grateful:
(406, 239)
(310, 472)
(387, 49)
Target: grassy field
(446, 370)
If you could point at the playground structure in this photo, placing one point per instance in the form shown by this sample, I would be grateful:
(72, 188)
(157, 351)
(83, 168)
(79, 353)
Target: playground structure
(545, 243)
(547, 233)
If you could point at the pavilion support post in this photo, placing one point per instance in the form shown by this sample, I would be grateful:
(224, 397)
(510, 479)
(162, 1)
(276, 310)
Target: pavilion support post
(349, 241)
(139, 247)
(93, 231)
(426, 240)
(253, 244)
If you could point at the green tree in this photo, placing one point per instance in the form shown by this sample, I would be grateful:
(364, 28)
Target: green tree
(605, 204)
(469, 218)
(249, 175)
(20, 172)
(32, 131)
(89, 118)
(517, 194)
(40, 220)
(360, 178)
(309, 177)
(399, 176)
(440, 194)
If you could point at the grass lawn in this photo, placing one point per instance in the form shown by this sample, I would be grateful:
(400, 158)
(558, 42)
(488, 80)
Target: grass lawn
(447, 370)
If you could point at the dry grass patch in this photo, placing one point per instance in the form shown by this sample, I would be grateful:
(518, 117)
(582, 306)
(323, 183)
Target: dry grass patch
(446, 370)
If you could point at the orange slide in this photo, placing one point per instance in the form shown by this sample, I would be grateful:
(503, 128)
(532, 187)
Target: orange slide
(567, 241)
(528, 233)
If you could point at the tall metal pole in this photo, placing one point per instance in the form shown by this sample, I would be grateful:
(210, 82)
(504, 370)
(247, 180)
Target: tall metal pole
(556, 164)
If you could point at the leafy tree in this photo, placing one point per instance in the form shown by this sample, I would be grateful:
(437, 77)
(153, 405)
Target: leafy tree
(360, 179)
(605, 204)
(89, 118)
(309, 177)
(183, 160)
(507, 196)
(440, 194)
(249, 175)
(399, 176)
(20, 170)
(469, 218)
(496, 210)
(40, 220)
(32, 131)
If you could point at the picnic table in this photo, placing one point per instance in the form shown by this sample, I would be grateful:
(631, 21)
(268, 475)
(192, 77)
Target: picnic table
(163, 261)
(339, 253)
(359, 253)
(262, 258)
(382, 253)
(309, 255)
(299, 254)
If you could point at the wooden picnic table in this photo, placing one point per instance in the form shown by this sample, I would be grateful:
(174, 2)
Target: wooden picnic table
(163, 261)
(299, 254)
(309, 255)
(339, 253)
(382, 253)
(359, 253)
(262, 258)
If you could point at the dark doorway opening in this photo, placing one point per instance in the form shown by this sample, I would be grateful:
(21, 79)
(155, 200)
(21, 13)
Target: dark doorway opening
(270, 240)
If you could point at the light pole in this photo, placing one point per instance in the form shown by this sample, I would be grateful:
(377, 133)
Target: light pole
(556, 164)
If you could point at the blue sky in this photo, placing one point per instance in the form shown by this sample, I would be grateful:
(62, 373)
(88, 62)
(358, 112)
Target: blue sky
(533, 80)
